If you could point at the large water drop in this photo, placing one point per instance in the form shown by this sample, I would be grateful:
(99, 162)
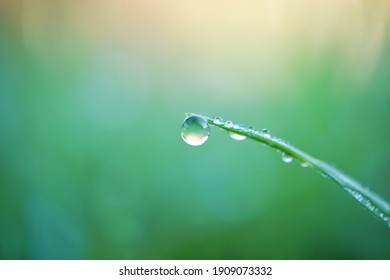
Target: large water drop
(195, 130)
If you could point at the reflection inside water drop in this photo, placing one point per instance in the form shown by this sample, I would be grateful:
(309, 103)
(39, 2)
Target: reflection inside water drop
(195, 131)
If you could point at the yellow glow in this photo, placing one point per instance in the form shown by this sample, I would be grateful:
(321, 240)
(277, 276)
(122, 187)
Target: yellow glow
(221, 37)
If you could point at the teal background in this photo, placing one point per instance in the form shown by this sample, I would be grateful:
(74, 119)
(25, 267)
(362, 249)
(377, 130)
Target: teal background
(92, 97)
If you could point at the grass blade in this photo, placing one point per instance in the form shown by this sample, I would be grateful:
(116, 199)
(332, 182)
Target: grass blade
(376, 205)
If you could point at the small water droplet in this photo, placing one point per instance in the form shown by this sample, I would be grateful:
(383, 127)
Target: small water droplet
(243, 128)
(252, 129)
(287, 158)
(195, 131)
(229, 124)
(304, 164)
(218, 120)
(266, 133)
(237, 136)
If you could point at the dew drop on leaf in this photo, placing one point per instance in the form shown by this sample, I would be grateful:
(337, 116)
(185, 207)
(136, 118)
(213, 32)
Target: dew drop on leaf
(266, 133)
(237, 136)
(304, 164)
(229, 124)
(251, 129)
(218, 120)
(195, 130)
(287, 158)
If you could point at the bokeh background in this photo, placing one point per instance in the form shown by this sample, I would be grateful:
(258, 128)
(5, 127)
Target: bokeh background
(92, 96)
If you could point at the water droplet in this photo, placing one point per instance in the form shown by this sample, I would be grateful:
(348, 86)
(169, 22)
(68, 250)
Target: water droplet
(304, 164)
(281, 141)
(229, 124)
(324, 174)
(195, 131)
(218, 120)
(287, 158)
(236, 136)
(266, 133)
(252, 130)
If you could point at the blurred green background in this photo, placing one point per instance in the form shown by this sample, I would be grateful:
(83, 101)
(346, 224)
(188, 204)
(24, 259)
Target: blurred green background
(92, 96)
